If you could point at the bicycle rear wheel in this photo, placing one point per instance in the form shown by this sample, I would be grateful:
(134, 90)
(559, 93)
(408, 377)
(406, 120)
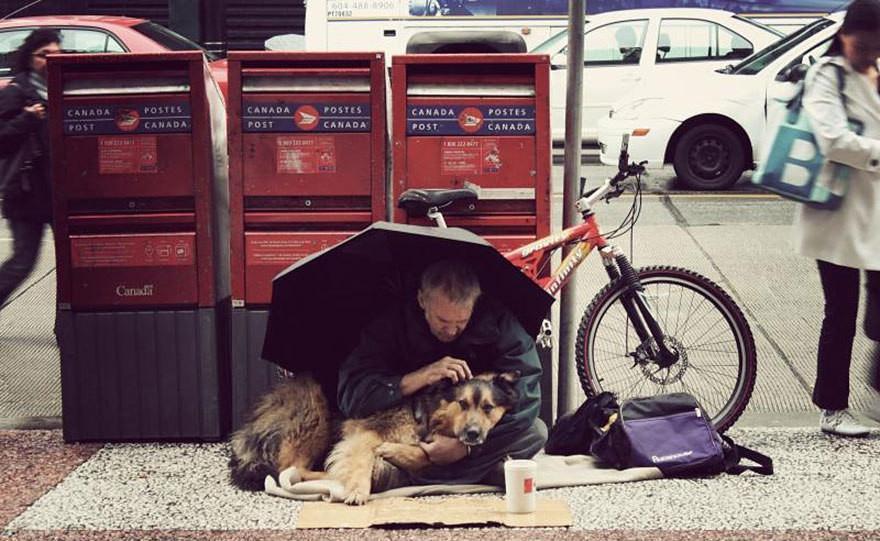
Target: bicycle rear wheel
(717, 362)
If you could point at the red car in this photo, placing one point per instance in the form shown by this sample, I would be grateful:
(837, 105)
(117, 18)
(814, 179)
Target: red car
(100, 34)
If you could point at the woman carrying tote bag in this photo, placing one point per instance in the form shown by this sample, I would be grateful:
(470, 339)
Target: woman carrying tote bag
(27, 190)
(846, 240)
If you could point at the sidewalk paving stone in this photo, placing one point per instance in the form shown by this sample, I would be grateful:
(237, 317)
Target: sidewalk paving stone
(821, 484)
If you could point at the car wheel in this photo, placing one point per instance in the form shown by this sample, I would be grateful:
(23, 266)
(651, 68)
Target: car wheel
(709, 157)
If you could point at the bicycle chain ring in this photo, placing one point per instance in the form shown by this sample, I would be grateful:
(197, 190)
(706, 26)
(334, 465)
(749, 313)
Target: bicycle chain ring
(644, 359)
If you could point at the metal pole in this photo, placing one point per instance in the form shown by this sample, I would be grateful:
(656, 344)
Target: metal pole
(568, 297)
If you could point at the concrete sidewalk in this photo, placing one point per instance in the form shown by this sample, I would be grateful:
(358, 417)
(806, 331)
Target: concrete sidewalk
(824, 488)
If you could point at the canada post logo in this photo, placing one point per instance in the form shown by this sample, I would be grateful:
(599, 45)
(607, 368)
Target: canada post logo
(129, 118)
(444, 119)
(288, 117)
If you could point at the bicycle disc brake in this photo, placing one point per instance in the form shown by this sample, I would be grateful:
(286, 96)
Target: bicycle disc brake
(646, 356)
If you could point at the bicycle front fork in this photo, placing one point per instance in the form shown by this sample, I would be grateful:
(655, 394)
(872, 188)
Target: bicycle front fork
(638, 311)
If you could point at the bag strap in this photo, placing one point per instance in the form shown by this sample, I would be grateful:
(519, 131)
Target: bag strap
(794, 105)
(764, 462)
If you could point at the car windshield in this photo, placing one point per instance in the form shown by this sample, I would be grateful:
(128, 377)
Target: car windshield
(169, 39)
(758, 61)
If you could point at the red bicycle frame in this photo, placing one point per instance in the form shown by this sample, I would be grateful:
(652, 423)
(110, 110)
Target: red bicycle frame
(535, 256)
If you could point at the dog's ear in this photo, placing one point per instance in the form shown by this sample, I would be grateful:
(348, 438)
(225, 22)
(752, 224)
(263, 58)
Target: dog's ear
(446, 389)
(505, 386)
(443, 389)
(510, 376)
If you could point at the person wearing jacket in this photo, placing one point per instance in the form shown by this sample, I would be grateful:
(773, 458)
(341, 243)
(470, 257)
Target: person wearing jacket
(27, 190)
(846, 240)
(451, 332)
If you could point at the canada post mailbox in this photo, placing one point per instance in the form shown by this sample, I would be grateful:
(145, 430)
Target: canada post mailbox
(476, 120)
(307, 148)
(141, 232)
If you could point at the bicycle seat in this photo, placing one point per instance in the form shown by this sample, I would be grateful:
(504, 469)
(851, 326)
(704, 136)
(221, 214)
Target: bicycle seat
(417, 202)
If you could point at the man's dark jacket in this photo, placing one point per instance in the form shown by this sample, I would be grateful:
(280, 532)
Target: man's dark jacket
(400, 342)
(17, 128)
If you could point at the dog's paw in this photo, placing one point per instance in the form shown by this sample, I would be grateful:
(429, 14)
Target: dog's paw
(385, 450)
(356, 497)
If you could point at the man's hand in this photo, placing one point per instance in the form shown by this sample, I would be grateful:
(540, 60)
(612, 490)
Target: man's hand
(37, 109)
(456, 370)
(444, 450)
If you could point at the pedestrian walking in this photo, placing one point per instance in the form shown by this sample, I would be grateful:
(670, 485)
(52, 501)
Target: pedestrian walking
(846, 241)
(24, 148)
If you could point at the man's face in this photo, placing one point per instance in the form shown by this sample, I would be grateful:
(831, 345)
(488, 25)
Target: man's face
(446, 319)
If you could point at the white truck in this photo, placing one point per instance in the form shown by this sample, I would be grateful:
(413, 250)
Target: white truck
(496, 25)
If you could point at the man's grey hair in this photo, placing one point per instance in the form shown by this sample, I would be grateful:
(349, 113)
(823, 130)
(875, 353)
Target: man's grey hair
(454, 278)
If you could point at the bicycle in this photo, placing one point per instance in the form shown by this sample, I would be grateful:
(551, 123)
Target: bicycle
(633, 336)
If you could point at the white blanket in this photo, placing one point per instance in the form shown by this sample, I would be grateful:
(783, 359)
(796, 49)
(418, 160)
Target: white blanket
(553, 472)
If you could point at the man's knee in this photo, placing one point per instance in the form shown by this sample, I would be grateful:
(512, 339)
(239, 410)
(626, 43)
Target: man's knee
(530, 442)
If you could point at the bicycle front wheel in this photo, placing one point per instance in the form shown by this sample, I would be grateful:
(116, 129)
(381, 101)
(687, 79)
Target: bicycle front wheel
(717, 360)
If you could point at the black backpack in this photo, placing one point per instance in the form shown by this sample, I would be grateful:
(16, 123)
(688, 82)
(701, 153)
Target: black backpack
(574, 433)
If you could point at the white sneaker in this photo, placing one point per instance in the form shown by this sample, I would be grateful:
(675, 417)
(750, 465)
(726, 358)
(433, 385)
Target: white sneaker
(873, 410)
(841, 423)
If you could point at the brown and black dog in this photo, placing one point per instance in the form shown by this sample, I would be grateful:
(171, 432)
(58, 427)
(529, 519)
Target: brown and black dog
(291, 426)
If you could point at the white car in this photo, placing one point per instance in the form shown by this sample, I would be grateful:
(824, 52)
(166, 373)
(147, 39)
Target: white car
(710, 126)
(623, 47)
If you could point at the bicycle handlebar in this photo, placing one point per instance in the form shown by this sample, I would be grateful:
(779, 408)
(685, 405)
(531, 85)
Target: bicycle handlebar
(614, 187)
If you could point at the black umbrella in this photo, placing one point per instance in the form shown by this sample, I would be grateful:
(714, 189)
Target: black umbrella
(321, 303)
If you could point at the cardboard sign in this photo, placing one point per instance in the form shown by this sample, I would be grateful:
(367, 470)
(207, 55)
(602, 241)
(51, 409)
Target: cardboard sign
(127, 155)
(452, 511)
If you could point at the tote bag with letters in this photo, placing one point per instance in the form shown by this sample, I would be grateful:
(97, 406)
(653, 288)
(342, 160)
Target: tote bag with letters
(792, 160)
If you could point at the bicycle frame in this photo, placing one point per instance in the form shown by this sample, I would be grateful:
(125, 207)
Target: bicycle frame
(535, 256)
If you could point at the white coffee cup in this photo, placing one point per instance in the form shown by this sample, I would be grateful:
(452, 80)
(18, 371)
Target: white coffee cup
(519, 485)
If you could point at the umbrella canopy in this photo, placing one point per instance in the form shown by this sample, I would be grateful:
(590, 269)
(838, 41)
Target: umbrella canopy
(321, 303)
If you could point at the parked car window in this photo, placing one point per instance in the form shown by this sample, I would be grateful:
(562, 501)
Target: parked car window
(809, 57)
(760, 25)
(758, 61)
(9, 42)
(73, 40)
(169, 39)
(89, 41)
(616, 43)
(692, 39)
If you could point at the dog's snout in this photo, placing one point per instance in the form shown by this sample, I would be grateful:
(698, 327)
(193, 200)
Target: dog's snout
(472, 435)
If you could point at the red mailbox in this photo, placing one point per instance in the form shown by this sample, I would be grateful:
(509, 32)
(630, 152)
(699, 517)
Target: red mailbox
(480, 120)
(141, 229)
(307, 147)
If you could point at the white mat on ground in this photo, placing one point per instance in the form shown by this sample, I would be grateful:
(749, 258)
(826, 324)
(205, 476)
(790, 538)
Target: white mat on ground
(553, 472)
